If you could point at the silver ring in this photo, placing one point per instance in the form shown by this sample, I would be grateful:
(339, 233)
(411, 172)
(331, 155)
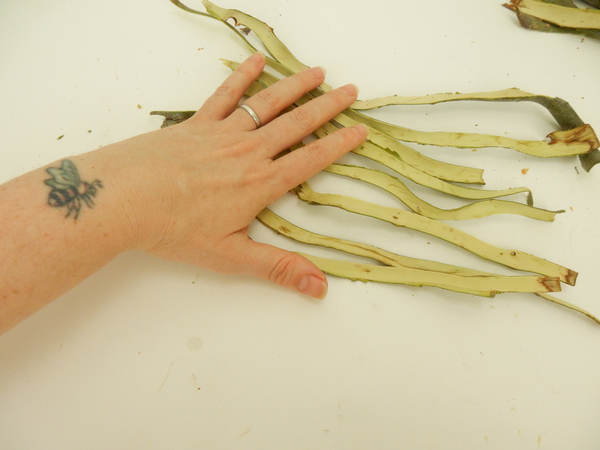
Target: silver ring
(252, 114)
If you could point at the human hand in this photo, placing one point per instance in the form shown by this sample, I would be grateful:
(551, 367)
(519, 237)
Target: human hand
(198, 185)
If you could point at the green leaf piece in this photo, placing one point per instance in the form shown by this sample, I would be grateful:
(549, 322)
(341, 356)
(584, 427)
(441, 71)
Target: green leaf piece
(484, 208)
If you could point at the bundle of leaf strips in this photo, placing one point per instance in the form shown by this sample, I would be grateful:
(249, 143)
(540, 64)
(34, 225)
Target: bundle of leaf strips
(558, 16)
(385, 146)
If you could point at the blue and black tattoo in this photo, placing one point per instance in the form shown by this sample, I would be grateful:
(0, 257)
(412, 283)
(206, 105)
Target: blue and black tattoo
(68, 190)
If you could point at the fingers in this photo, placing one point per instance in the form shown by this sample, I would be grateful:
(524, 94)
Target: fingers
(299, 165)
(283, 268)
(227, 96)
(268, 103)
(292, 127)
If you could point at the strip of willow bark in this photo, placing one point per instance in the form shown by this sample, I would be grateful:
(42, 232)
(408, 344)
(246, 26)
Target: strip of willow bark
(475, 210)
(510, 258)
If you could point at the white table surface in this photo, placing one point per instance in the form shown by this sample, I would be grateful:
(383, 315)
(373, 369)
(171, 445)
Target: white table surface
(148, 354)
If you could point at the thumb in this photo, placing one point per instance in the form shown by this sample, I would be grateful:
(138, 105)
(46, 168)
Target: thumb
(285, 269)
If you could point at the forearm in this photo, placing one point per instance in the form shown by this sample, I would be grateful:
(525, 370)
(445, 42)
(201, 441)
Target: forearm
(53, 238)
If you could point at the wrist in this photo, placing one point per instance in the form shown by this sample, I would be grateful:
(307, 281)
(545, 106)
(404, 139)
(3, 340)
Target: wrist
(111, 214)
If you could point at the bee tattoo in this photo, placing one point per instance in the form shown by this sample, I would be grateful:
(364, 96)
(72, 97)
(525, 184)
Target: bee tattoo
(68, 190)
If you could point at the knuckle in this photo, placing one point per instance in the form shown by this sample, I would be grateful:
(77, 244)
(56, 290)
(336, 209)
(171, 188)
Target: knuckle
(345, 136)
(226, 91)
(246, 147)
(269, 98)
(317, 153)
(282, 271)
(339, 99)
(304, 117)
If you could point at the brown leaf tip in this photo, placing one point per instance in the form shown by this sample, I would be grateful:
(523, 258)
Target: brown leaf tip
(510, 6)
(513, 5)
(551, 284)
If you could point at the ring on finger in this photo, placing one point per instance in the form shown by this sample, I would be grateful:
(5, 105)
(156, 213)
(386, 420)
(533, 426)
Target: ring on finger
(252, 114)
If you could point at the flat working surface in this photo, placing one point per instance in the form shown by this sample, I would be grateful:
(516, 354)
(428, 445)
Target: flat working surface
(152, 354)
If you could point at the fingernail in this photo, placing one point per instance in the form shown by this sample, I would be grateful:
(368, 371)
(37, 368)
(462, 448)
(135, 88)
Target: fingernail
(350, 89)
(313, 286)
(318, 72)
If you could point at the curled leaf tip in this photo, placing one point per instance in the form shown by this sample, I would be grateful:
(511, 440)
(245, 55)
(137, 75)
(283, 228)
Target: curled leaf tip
(529, 199)
(582, 134)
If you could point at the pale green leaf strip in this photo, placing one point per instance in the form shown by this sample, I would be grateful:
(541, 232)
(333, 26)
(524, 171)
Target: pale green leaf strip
(475, 210)
(572, 142)
(432, 99)
(395, 162)
(385, 155)
(560, 15)
(511, 258)
(288, 63)
(438, 169)
(288, 229)
(561, 110)
(485, 285)
(211, 14)
(569, 305)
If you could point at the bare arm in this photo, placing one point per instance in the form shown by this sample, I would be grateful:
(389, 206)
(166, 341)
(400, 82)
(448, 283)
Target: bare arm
(185, 193)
